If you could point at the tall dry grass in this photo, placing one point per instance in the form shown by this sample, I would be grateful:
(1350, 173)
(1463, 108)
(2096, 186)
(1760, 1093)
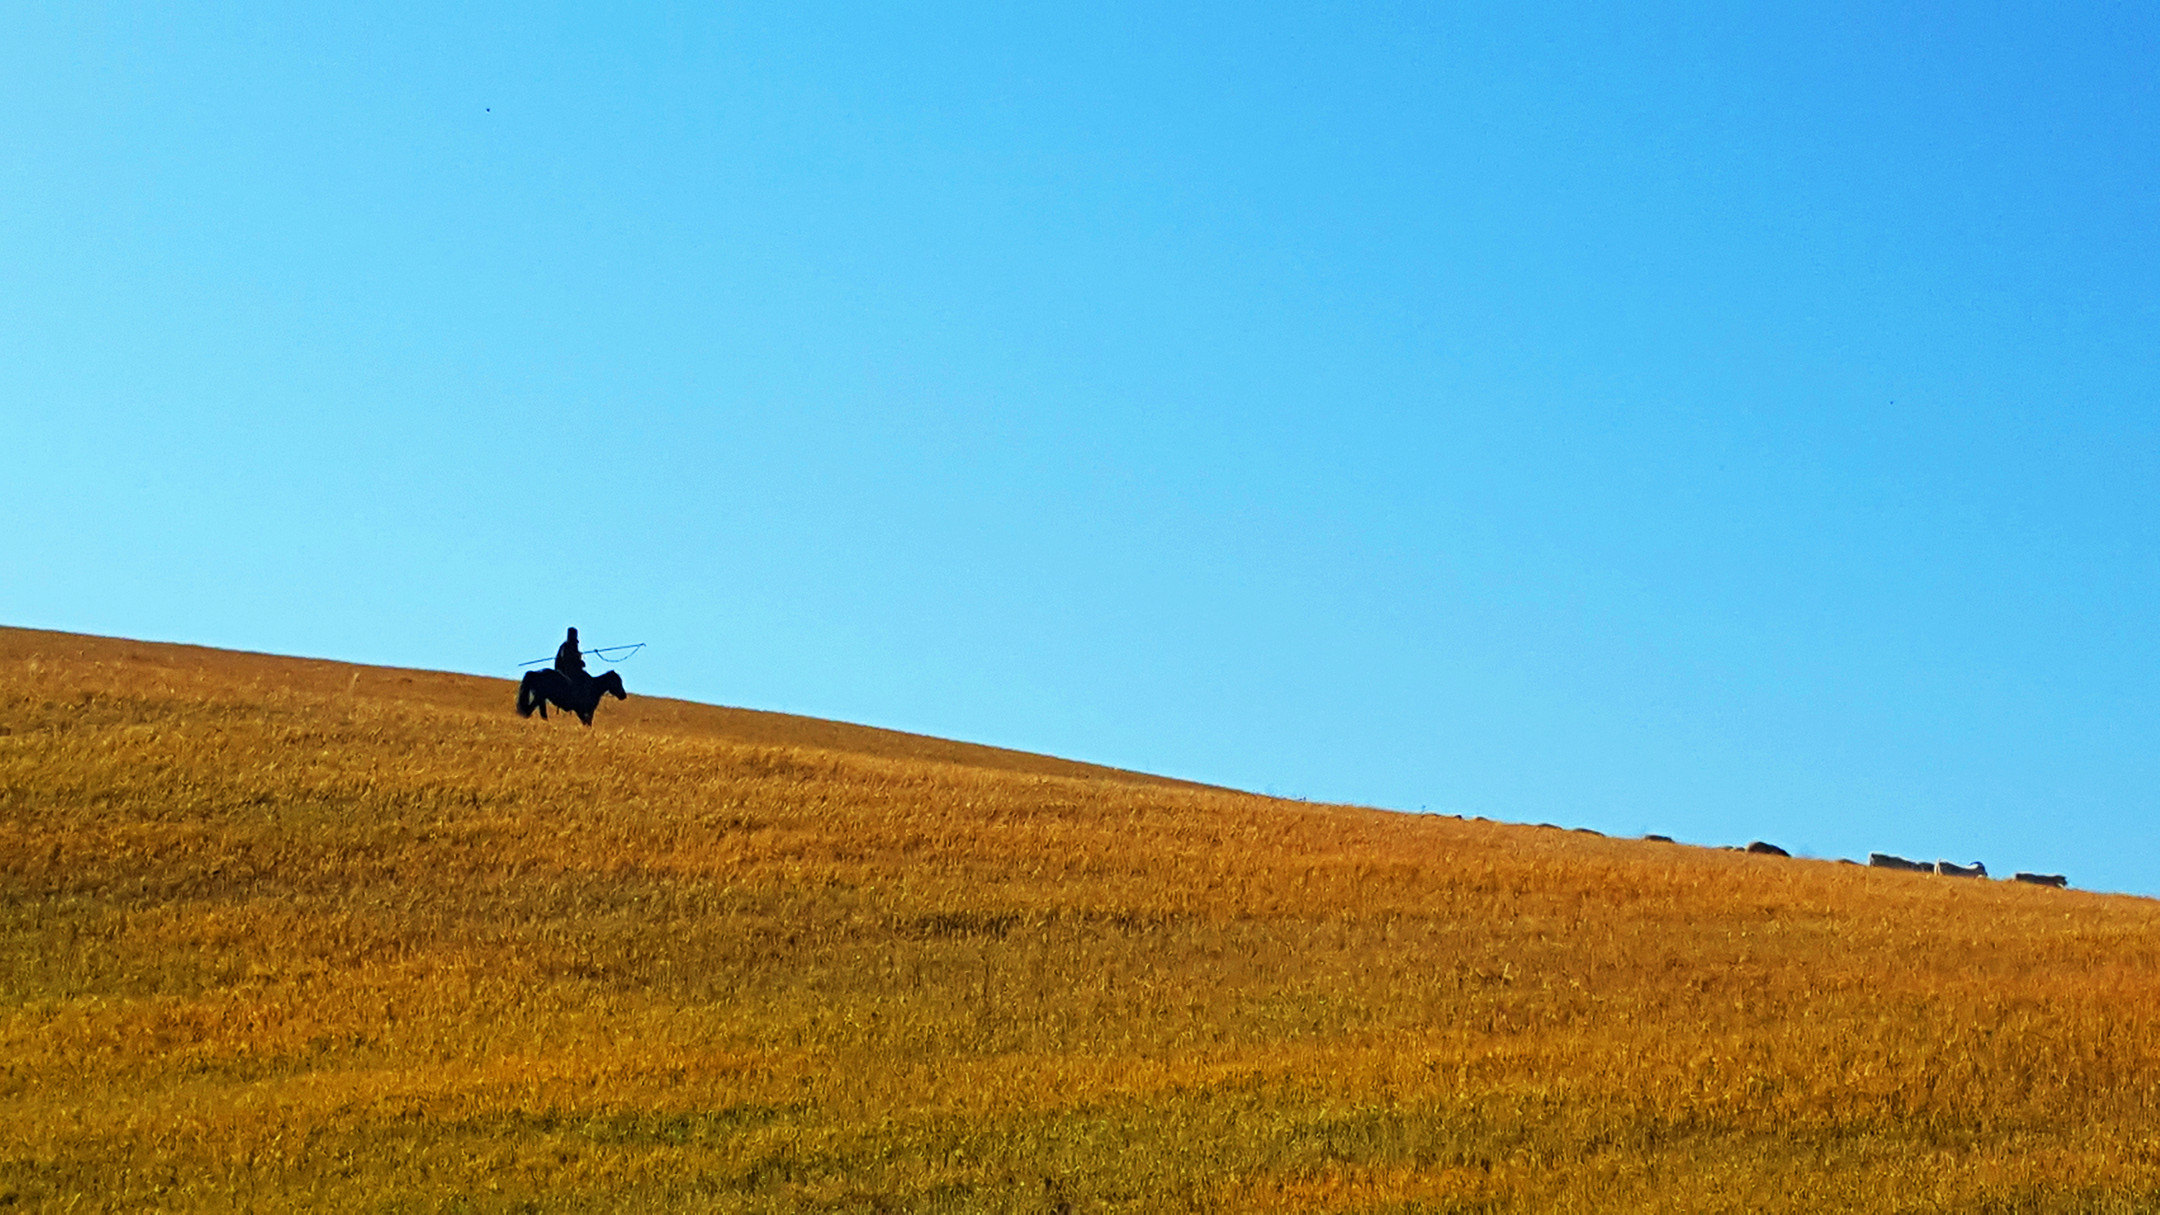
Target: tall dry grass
(279, 934)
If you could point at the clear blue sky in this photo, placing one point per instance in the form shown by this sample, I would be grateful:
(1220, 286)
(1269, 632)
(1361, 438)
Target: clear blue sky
(1729, 421)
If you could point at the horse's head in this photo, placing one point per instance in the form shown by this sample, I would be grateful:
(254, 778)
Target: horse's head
(611, 683)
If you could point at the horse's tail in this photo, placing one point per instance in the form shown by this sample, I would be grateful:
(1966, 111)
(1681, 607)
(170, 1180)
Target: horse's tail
(527, 698)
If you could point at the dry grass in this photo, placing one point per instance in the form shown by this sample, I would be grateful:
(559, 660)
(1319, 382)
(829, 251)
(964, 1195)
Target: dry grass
(278, 934)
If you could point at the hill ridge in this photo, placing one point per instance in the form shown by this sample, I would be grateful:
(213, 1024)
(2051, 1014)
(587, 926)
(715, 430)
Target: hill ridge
(486, 693)
(283, 932)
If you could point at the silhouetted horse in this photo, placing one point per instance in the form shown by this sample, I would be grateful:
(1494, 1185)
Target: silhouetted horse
(580, 696)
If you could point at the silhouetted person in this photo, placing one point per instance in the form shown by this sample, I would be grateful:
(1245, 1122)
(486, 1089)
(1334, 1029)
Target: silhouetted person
(568, 660)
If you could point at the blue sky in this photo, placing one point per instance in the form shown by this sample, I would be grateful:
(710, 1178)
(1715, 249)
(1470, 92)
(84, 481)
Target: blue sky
(1729, 423)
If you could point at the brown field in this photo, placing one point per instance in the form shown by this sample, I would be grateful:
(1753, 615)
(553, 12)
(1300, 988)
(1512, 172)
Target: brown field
(278, 933)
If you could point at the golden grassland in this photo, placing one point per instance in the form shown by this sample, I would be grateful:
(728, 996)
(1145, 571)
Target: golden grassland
(278, 933)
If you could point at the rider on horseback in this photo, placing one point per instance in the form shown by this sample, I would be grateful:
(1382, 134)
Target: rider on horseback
(569, 661)
(568, 687)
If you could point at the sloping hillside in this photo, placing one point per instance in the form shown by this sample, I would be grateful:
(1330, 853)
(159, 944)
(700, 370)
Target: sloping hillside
(174, 669)
(276, 932)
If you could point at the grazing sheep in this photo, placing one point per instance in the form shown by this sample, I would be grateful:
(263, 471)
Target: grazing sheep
(1883, 860)
(2042, 879)
(1976, 869)
(1762, 849)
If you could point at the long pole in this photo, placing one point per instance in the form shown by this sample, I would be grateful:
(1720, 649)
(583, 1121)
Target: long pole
(598, 651)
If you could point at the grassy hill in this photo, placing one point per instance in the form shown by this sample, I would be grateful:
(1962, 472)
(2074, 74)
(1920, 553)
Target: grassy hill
(278, 933)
